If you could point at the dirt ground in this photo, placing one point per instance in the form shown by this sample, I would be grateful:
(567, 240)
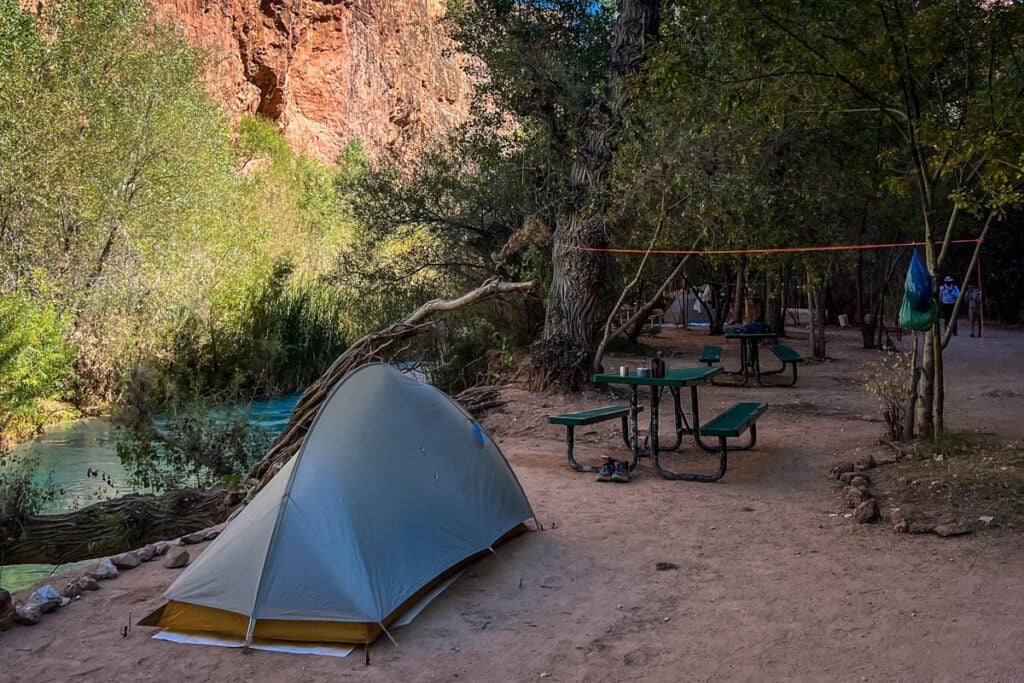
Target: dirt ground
(771, 581)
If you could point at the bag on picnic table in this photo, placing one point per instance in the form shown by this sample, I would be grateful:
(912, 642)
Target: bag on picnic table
(920, 310)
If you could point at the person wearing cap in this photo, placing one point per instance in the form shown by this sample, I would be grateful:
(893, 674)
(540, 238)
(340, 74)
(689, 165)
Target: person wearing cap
(948, 294)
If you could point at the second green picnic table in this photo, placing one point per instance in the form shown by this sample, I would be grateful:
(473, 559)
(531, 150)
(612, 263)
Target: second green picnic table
(674, 380)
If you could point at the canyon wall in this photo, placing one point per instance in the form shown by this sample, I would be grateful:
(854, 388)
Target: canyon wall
(382, 71)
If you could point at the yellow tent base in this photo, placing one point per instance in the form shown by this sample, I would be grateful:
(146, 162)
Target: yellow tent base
(182, 616)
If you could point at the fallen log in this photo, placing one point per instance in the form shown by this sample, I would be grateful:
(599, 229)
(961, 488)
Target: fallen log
(377, 346)
(111, 526)
(132, 521)
(478, 401)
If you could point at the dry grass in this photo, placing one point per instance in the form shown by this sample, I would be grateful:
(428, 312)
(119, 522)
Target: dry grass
(957, 478)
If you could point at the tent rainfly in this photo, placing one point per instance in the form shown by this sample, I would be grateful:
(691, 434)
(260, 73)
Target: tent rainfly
(395, 488)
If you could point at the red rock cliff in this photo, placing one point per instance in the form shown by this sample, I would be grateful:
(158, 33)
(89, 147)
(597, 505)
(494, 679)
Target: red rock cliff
(383, 71)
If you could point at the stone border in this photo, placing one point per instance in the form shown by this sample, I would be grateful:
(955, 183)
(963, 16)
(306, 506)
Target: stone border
(45, 599)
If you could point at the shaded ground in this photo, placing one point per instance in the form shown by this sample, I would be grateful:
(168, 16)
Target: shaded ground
(771, 581)
(976, 482)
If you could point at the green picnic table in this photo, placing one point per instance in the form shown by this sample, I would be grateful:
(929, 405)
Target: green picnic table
(750, 354)
(674, 380)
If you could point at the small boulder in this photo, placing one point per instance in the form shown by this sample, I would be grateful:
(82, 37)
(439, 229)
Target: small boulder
(160, 548)
(900, 524)
(213, 532)
(866, 512)
(856, 495)
(176, 557)
(865, 464)
(6, 610)
(841, 468)
(952, 529)
(80, 585)
(47, 598)
(27, 614)
(193, 538)
(87, 583)
(920, 528)
(128, 560)
(146, 554)
(104, 571)
(860, 480)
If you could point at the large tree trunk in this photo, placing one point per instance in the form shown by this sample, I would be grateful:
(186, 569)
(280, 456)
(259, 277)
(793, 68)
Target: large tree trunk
(722, 308)
(564, 355)
(111, 526)
(738, 309)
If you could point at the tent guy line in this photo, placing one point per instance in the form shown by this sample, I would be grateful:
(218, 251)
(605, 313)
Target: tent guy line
(777, 250)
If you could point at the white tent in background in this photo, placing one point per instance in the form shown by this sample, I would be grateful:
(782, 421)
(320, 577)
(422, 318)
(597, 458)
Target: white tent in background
(394, 489)
(686, 309)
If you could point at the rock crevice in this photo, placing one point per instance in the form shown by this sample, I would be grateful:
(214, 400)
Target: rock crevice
(385, 72)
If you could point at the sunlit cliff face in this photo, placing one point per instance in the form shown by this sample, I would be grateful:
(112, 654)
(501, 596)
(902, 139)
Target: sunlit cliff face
(382, 71)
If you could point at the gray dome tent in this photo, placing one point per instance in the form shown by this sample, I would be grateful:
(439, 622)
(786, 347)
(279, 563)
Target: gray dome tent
(395, 488)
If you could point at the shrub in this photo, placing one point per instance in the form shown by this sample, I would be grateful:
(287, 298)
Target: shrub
(888, 378)
(34, 361)
(196, 450)
(20, 492)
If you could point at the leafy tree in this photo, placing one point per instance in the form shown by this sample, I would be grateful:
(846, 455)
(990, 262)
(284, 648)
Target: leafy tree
(34, 363)
(950, 100)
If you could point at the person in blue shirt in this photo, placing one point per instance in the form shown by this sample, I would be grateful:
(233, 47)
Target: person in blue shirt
(948, 294)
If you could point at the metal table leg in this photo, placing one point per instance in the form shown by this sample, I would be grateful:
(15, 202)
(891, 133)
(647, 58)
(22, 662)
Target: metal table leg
(633, 429)
(653, 436)
(682, 426)
(743, 372)
(696, 430)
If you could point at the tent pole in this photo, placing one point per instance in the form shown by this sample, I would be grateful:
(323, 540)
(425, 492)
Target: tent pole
(388, 634)
(249, 633)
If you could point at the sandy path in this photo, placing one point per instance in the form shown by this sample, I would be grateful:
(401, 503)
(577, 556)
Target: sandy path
(769, 584)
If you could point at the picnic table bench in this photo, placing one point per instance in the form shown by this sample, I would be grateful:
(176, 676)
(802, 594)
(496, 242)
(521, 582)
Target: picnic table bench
(588, 417)
(710, 354)
(730, 424)
(788, 356)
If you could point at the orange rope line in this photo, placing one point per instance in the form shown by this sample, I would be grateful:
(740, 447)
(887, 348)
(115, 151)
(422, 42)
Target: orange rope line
(780, 250)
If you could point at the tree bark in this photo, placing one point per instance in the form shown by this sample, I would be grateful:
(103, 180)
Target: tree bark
(910, 414)
(563, 356)
(925, 387)
(111, 526)
(738, 307)
(816, 301)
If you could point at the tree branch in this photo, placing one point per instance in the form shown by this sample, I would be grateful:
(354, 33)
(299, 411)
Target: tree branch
(373, 346)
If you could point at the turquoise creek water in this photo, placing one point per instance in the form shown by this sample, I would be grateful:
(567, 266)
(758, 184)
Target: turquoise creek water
(68, 451)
